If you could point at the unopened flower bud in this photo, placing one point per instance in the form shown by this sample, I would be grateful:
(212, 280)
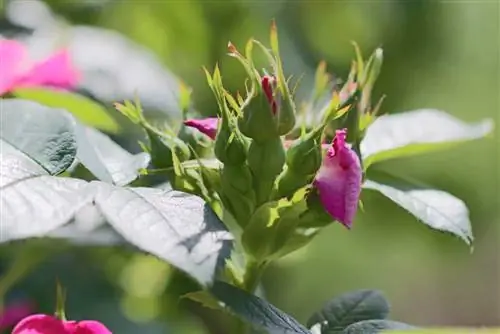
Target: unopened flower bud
(266, 162)
(259, 120)
(338, 181)
(230, 145)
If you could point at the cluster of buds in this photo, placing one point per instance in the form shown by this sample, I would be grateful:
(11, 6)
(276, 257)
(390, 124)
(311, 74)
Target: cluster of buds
(278, 175)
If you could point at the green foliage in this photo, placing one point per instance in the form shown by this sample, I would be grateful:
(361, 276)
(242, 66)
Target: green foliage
(85, 110)
(435, 208)
(178, 228)
(43, 134)
(416, 132)
(348, 309)
(256, 311)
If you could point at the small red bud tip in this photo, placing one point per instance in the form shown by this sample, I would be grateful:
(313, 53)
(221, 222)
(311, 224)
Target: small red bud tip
(231, 48)
(267, 83)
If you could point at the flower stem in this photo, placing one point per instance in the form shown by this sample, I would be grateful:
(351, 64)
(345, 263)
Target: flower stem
(251, 280)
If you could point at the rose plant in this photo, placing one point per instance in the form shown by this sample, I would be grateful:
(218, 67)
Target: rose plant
(245, 188)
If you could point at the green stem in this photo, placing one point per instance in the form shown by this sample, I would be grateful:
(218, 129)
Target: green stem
(253, 274)
(251, 280)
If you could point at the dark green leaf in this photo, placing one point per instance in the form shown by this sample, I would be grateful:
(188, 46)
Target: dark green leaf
(256, 311)
(44, 134)
(415, 132)
(106, 159)
(178, 228)
(350, 308)
(206, 299)
(377, 326)
(84, 109)
(35, 203)
(435, 208)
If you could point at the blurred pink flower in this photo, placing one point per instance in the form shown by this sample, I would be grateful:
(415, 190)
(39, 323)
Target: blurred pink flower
(17, 71)
(207, 126)
(339, 180)
(46, 324)
(13, 313)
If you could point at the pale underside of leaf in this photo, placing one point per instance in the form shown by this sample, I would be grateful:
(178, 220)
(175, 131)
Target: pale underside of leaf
(104, 158)
(176, 227)
(435, 208)
(416, 132)
(34, 203)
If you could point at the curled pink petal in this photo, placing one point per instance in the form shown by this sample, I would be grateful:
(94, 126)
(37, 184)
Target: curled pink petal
(45, 324)
(339, 180)
(207, 126)
(56, 71)
(12, 55)
(14, 313)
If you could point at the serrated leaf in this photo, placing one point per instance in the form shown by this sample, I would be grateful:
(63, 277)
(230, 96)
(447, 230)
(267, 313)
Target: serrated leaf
(88, 228)
(205, 298)
(45, 135)
(435, 208)
(107, 160)
(256, 311)
(178, 228)
(84, 109)
(348, 309)
(415, 132)
(33, 202)
(377, 326)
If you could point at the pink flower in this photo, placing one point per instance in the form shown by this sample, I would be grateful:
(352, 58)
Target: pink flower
(339, 180)
(17, 71)
(46, 324)
(207, 126)
(12, 314)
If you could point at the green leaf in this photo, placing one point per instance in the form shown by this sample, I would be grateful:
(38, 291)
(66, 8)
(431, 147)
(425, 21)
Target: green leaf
(84, 109)
(107, 160)
(348, 309)
(435, 208)
(377, 326)
(256, 311)
(415, 132)
(206, 299)
(176, 227)
(44, 134)
(35, 203)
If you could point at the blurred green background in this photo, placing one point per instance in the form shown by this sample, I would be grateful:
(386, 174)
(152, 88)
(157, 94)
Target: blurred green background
(443, 55)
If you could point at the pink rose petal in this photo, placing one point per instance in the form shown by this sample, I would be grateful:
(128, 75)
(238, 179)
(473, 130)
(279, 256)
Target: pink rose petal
(17, 71)
(56, 71)
(45, 324)
(12, 54)
(339, 180)
(207, 126)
